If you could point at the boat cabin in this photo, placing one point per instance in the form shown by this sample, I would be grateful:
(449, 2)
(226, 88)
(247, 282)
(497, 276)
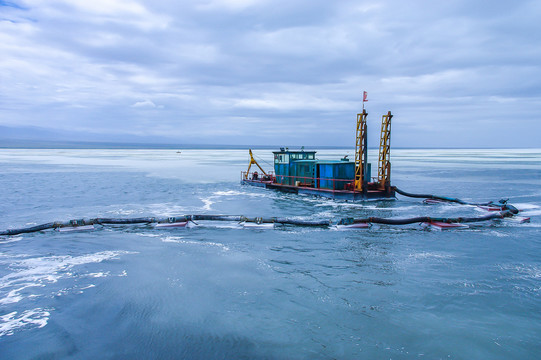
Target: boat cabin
(294, 167)
(301, 168)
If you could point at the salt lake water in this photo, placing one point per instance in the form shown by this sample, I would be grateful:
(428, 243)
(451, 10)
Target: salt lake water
(219, 291)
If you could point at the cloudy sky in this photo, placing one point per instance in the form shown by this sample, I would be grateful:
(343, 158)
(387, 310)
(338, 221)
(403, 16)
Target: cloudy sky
(457, 73)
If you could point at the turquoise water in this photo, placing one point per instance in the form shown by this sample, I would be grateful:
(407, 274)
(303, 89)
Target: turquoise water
(218, 291)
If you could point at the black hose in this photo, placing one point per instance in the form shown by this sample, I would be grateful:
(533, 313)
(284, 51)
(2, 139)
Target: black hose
(425, 219)
(257, 220)
(286, 221)
(216, 217)
(103, 221)
(302, 222)
(502, 204)
(30, 229)
(429, 196)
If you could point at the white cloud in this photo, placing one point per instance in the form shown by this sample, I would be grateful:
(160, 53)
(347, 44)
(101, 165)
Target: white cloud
(267, 64)
(228, 4)
(144, 104)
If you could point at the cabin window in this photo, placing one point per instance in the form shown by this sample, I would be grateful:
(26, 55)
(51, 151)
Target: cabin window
(281, 158)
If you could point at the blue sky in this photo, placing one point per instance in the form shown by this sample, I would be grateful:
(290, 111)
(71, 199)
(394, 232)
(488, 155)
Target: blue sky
(271, 72)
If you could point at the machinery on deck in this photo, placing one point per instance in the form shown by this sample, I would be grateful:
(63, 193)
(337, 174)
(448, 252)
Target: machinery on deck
(301, 173)
(361, 152)
(384, 163)
(252, 161)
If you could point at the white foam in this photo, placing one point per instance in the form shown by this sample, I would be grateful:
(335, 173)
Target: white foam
(164, 209)
(172, 239)
(497, 233)
(524, 271)
(9, 323)
(336, 204)
(11, 239)
(531, 212)
(37, 272)
(198, 243)
(228, 193)
(148, 234)
(530, 225)
(526, 206)
(222, 246)
(238, 193)
(12, 297)
(99, 274)
(167, 209)
(123, 212)
(430, 255)
(88, 287)
(208, 203)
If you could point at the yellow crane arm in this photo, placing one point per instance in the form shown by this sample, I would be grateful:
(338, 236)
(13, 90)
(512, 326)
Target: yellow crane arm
(252, 161)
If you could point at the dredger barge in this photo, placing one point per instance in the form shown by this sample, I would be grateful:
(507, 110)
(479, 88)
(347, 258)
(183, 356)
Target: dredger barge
(300, 172)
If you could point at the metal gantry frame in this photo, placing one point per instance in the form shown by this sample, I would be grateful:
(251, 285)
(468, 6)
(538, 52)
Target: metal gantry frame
(360, 151)
(252, 161)
(384, 163)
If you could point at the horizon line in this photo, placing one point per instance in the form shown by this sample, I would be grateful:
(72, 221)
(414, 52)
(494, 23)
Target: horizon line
(44, 144)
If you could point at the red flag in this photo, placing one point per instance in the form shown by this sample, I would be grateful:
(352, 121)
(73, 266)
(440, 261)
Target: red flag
(364, 96)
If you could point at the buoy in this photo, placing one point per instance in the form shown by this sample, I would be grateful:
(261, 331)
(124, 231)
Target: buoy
(254, 225)
(180, 224)
(490, 207)
(438, 225)
(358, 226)
(75, 228)
(433, 201)
(269, 223)
(520, 219)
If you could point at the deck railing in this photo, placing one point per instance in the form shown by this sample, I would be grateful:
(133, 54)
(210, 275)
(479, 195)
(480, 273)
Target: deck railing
(260, 176)
(305, 181)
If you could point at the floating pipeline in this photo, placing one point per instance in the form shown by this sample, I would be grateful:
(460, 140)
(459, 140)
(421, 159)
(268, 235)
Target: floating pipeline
(503, 210)
(181, 221)
(501, 205)
(426, 219)
(80, 223)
